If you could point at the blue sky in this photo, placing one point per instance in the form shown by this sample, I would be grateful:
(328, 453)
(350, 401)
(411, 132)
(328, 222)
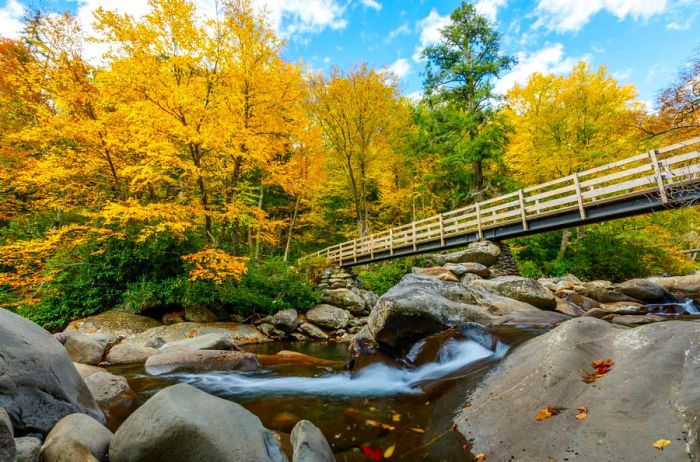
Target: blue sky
(642, 42)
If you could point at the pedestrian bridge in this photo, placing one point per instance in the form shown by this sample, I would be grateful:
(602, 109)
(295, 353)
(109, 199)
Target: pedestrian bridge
(664, 178)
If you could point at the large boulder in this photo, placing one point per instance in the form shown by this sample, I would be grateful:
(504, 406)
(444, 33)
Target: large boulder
(644, 290)
(86, 348)
(604, 295)
(485, 253)
(689, 284)
(200, 361)
(309, 444)
(213, 341)
(110, 390)
(38, 382)
(76, 438)
(286, 320)
(113, 324)
(313, 331)
(8, 450)
(184, 424)
(345, 298)
(238, 333)
(198, 313)
(420, 305)
(129, 353)
(329, 316)
(518, 288)
(628, 408)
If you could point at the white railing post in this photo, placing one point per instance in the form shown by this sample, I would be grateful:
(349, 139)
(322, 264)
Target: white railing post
(579, 197)
(354, 250)
(413, 228)
(391, 241)
(659, 177)
(478, 221)
(442, 231)
(371, 246)
(521, 197)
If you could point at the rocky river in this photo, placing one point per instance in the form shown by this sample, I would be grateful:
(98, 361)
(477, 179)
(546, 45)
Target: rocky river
(459, 361)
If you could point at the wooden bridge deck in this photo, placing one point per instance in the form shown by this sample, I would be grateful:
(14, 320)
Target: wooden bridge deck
(664, 178)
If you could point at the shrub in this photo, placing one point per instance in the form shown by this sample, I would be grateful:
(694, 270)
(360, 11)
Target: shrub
(381, 277)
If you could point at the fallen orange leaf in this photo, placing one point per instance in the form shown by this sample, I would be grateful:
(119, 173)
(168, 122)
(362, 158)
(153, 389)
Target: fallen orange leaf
(417, 430)
(582, 412)
(396, 418)
(481, 457)
(389, 451)
(372, 423)
(546, 413)
(388, 427)
(661, 444)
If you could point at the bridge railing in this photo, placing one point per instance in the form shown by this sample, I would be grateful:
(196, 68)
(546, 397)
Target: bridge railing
(650, 172)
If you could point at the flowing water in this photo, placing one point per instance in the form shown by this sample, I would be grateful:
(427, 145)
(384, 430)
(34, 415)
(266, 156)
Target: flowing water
(377, 408)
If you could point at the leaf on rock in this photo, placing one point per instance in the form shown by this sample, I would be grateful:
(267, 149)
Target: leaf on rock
(481, 457)
(372, 453)
(546, 413)
(661, 444)
(417, 430)
(602, 366)
(372, 423)
(582, 412)
(388, 427)
(389, 451)
(396, 418)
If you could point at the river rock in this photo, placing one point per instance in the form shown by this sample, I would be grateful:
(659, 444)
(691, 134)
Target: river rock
(271, 331)
(76, 438)
(636, 320)
(521, 289)
(129, 353)
(568, 308)
(607, 295)
(8, 451)
(200, 361)
(28, 449)
(329, 316)
(313, 331)
(39, 382)
(184, 424)
(658, 400)
(420, 305)
(623, 308)
(460, 269)
(198, 313)
(530, 319)
(113, 324)
(644, 290)
(240, 334)
(86, 348)
(368, 296)
(309, 444)
(689, 284)
(583, 302)
(86, 370)
(438, 272)
(109, 390)
(213, 341)
(344, 298)
(483, 252)
(286, 320)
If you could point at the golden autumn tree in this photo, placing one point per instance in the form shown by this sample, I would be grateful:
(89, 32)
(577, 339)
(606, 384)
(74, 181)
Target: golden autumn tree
(363, 119)
(564, 124)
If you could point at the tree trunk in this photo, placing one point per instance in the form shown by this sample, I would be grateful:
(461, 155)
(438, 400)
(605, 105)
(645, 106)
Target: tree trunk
(291, 227)
(477, 170)
(257, 234)
(565, 241)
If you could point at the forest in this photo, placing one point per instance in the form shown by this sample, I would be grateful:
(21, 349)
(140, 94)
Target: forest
(192, 164)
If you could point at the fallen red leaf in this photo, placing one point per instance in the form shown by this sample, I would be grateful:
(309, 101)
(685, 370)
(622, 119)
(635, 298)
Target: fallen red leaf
(372, 453)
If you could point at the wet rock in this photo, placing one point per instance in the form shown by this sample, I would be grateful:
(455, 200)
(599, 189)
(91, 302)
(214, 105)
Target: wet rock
(129, 353)
(8, 451)
(369, 297)
(607, 296)
(624, 308)
(597, 284)
(271, 331)
(240, 334)
(438, 272)
(113, 324)
(197, 313)
(521, 289)
(313, 331)
(299, 337)
(658, 400)
(182, 424)
(40, 385)
(583, 302)
(213, 341)
(28, 449)
(597, 313)
(86, 370)
(344, 298)
(484, 252)
(568, 308)
(329, 316)
(309, 444)
(633, 321)
(364, 351)
(644, 290)
(86, 348)
(200, 361)
(78, 438)
(286, 320)
(110, 390)
(689, 284)
(531, 319)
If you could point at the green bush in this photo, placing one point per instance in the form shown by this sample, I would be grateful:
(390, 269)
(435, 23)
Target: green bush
(381, 277)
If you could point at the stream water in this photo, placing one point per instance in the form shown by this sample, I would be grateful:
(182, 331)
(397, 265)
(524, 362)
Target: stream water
(377, 408)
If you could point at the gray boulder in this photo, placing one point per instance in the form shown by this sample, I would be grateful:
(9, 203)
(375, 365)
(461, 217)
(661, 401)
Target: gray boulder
(8, 450)
(109, 390)
(629, 408)
(113, 324)
(38, 382)
(78, 438)
(197, 313)
(522, 289)
(309, 444)
(313, 331)
(211, 341)
(28, 449)
(86, 370)
(184, 424)
(345, 298)
(129, 353)
(286, 320)
(238, 333)
(603, 295)
(644, 290)
(86, 348)
(271, 331)
(329, 316)
(200, 361)
(485, 253)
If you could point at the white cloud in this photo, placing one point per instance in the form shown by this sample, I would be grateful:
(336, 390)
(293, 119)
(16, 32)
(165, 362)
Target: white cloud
(489, 8)
(400, 68)
(682, 25)
(415, 96)
(430, 28)
(403, 29)
(624, 74)
(572, 15)
(548, 60)
(291, 18)
(11, 19)
(374, 4)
